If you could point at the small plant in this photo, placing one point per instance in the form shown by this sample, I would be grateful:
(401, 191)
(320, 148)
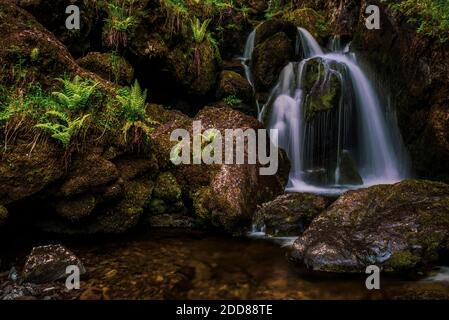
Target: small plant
(176, 11)
(199, 29)
(132, 102)
(121, 21)
(61, 127)
(232, 101)
(274, 8)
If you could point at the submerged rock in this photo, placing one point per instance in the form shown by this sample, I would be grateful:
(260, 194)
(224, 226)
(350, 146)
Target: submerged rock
(400, 228)
(49, 263)
(289, 214)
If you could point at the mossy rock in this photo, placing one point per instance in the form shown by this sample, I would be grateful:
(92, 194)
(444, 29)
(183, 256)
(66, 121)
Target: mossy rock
(289, 214)
(167, 188)
(269, 58)
(109, 66)
(323, 91)
(400, 228)
(195, 66)
(233, 84)
(349, 174)
(3, 214)
(201, 202)
(310, 20)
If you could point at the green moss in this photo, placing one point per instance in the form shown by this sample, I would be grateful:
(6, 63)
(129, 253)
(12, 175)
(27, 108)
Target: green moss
(402, 260)
(200, 202)
(167, 188)
(311, 20)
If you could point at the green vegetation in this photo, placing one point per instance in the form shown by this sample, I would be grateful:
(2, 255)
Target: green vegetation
(132, 103)
(232, 101)
(430, 16)
(274, 9)
(61, 127)
(76, 93)
(199, 29)
(123, 17)
(176, 11)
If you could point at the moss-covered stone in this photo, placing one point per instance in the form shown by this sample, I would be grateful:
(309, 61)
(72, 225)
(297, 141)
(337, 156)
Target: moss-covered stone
(167, 188)
(310, 20)
(195, 66)
(348, 173)
(401, 227)
(109, 66)
(323, 89)
(289, 214)
(269, 58)
(233, 84)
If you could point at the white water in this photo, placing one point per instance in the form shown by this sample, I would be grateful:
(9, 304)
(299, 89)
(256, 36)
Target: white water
(360, 127)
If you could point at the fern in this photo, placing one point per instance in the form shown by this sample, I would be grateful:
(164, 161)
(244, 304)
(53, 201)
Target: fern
(76, 93)
(62, 128)
(199, 29)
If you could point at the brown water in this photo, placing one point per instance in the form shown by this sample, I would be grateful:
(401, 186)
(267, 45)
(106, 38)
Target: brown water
(173, 264)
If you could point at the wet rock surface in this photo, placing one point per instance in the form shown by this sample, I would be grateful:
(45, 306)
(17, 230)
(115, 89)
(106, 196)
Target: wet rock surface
(400, 228)
(289, 214)
(48, 263)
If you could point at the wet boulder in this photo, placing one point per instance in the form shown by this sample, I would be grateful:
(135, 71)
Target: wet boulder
(289, 214)
(400, 228)
(111, 67)
(48, 263)
(271, 54)
(348, 173)
(224, 195)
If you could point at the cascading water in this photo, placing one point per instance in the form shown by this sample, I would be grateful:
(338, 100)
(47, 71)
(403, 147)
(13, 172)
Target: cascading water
(331, 121)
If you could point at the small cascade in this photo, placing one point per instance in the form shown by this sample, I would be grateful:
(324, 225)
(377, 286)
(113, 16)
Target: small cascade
(331, 121)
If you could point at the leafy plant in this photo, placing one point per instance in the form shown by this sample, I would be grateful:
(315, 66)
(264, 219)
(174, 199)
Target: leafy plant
(274, 7)
(176, 11)
(76, 93)
(122, 19)
(132, 102)
(199, 29)
(61, 127)
(232, 101)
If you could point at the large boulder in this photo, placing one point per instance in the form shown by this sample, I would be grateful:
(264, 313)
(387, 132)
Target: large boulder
(274, 48)
(223, 195)
(49, 263)
(289, 214)
(400, 228)
(195, 68)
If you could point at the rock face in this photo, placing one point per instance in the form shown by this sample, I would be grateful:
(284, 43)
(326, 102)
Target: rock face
(289, 214)
(3, 214)
(401, 227)
(49, 263)
(223, 195)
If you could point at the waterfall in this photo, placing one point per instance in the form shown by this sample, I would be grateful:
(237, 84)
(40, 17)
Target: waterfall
(331, 120)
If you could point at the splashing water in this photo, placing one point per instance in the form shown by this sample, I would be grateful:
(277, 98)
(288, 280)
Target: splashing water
(331, 121)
